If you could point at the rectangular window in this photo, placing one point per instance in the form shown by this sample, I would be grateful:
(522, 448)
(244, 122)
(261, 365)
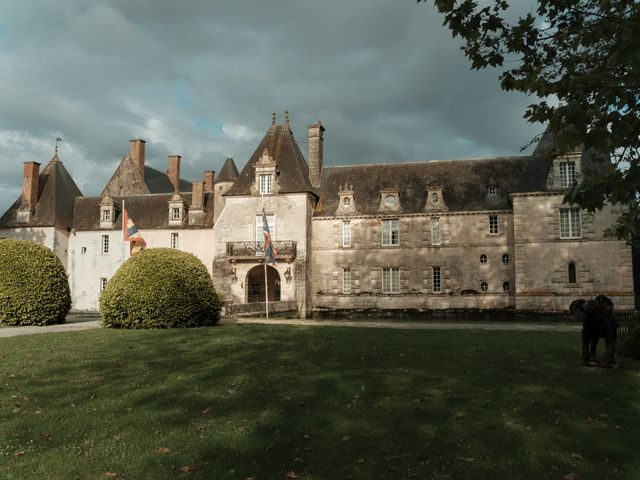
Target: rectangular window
(492, 190)
(83, 250)
(103, 284)
(391, 280)
(174, 240)
(106, 215)
(175, 213)
(570, 223)
(567, 174)
(346, 234)
(390, 232)
(105, 243)
(493, 224)
(435, 231)
(271, 221)
(265, 184)
(435, 272)
(346, 281)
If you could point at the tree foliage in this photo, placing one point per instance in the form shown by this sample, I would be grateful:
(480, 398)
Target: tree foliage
(34, 289)
(160, 288)
(581, 59)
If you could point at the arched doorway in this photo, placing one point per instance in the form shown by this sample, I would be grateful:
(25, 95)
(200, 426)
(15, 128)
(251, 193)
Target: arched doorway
(255, 284)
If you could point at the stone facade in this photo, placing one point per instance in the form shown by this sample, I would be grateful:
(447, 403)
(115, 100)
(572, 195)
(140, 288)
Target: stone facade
(477, 234)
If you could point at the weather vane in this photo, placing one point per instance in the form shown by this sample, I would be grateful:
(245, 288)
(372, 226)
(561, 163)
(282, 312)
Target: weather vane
(58, 139)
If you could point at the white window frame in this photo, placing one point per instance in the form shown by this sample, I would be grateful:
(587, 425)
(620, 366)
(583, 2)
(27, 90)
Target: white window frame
(390, 280)
(570, 223)
(567, 174)
(175, 240)
(435, 231)
(346, 281)
(390, 232)
(271, 221)
(436, 280)
(106, 215)
(103, 283)
(104, 247)
(265, 184)
(176, 213)
(494, 225)
(492, 190)
(346, 233)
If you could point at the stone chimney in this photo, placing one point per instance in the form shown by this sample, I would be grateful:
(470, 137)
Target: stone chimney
(30, 184)
(174, 171)
(208, 176)
(315, 152)
(196, 211)
(136, 152)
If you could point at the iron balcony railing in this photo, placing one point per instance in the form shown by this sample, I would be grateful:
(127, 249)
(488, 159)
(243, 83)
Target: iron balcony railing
(251, 250)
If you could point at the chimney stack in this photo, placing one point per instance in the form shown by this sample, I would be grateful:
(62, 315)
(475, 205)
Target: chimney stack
(197, 195)
(208, 180)
(136, 152)
(315, 152)
(174, 171)
(30, 184)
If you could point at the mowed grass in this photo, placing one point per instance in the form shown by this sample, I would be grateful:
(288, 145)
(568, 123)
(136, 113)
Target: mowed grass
(279, 402)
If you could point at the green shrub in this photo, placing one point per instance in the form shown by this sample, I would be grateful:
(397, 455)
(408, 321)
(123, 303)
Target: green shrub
(34, 289)
(160, 288)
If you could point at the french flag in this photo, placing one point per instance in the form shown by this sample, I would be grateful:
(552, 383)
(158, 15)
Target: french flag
(269, 251)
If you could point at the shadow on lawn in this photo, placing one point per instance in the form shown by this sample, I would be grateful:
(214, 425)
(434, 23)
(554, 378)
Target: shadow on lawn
(342, 403)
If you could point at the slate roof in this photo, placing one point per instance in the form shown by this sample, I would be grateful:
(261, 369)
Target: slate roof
(56, 195)
(293, 176)
(463, 182)
(146, 211)
(158, 182)
(228, 173)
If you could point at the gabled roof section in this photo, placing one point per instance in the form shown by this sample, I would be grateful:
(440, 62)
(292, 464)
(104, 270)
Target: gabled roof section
(147, 211)
(463, 182)
(56, 198)
(127, 181)
(229, 172)
(291, 167)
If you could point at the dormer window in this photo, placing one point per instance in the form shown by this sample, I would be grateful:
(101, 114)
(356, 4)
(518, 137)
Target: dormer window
(435, 198)
(177, 210)
(492, 190)
(266, 176)
(567, 174)
(107, 213)
(346, 201)
(265, 184)
(389, 200)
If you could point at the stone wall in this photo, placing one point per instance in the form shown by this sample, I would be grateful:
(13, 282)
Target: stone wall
(603, 266)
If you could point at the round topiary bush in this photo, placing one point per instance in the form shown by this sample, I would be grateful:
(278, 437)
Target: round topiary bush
(34, 289)
(160, 288)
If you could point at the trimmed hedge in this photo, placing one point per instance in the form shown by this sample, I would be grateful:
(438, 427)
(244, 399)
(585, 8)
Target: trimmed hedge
(34, 289)
(160, 288)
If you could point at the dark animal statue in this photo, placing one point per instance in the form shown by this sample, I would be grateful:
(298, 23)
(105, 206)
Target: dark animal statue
(598, 321)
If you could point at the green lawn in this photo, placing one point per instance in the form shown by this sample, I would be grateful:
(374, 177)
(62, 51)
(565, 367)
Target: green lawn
(278, 402)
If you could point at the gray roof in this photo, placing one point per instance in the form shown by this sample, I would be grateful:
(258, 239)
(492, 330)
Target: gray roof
(147, 211)
(56, 195)
(463, 182)
(293, 171)
(158, 182)
(228, 173)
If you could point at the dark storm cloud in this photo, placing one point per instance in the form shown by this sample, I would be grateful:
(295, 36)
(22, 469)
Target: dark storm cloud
(201, 78)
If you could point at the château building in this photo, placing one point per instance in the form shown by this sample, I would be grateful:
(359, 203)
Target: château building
(472, 234)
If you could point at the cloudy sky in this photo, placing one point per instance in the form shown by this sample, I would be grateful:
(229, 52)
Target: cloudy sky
(200, 78)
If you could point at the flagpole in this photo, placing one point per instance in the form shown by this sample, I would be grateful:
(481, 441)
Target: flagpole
(266, 284)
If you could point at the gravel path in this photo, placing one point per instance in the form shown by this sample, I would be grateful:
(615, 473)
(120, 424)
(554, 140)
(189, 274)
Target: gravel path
(87, 323)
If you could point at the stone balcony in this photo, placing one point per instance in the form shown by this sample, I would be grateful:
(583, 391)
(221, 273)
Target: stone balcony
(285, 250)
